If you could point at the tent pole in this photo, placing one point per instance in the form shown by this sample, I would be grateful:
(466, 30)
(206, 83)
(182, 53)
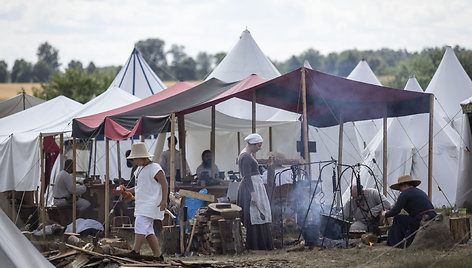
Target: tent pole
(95, 157)
(270, 139)
(61, 151)
(142, 138)
(385, 152)
(340, 157)
(305, 121)
(24, 99)
(43, 182)
(182, 142)
(212, 140)
(107, 183)
(13, 201)
(239, 142)
(74, 185)
(172, 153)
(430, 148)
(118, 158)
(253, 111)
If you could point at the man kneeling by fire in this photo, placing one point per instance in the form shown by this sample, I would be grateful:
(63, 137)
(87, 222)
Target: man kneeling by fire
(365, 207)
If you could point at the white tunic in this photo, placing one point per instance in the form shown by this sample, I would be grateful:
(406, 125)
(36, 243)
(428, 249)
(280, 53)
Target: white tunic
(148, 192)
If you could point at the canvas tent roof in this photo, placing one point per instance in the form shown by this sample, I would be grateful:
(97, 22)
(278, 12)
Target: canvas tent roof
(407, 140)
(450, 85)
(137, 78)
(464, 183)
(363, 73)
(15, 249)
(18, 103)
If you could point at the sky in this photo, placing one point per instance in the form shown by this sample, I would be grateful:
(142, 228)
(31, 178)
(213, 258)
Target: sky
(105, 31)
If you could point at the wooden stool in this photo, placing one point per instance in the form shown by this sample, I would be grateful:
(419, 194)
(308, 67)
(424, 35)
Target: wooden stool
(460, 229)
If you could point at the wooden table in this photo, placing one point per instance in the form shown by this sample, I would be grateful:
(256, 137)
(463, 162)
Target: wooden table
(216, 190)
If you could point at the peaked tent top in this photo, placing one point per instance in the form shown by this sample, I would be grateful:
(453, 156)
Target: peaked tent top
(137, 78)
(413, 85)
(450, 85)
(307, 65)
(363, 73)
(18, 103)
(244, 59)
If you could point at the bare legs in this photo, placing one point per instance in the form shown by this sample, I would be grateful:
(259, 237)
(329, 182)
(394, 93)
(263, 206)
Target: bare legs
(153, 243)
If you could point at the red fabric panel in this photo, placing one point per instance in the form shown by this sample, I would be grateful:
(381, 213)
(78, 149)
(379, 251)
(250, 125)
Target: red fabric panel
(116, 132)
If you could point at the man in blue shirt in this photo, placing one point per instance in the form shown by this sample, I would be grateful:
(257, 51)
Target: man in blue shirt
(416, 203)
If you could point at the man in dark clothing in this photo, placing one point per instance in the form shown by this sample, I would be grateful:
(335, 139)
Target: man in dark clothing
(416, 203)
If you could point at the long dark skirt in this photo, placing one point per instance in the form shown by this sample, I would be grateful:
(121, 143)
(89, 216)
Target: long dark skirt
(258, 236)
(402, 227)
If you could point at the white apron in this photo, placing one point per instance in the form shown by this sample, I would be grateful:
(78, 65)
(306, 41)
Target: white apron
(262, 202)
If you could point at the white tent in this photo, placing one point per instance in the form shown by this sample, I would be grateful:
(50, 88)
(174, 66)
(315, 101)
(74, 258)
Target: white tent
(464, 182)
(15, 249)
(19, 161)
(407, 139)
(450, 85)
(137, 78)
(18, 103)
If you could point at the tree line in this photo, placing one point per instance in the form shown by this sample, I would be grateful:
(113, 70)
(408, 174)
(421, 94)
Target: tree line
(81, 82)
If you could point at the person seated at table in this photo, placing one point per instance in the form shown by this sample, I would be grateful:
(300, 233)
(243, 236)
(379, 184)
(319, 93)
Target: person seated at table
(64, 189)
(204, 170)
(165, 162)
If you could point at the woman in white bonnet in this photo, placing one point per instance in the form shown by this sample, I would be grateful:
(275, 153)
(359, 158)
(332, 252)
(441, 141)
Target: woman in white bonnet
(252, 198)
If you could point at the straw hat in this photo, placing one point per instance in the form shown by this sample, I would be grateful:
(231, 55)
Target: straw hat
(138, 150)
(404, 179)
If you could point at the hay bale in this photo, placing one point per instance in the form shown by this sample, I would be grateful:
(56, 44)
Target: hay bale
(433, 234)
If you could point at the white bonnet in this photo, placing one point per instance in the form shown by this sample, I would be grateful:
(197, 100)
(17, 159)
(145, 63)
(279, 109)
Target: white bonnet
(253, 138)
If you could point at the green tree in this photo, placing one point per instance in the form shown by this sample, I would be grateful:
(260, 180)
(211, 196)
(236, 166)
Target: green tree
(49, 55)
(347, 62)
(75, 64)
(3, 72)
(41, 71)
(153, 52)
(313, 57)
(21, 71)
(293, 63)
(186, 69)
(91, 68)
(74, 83)
(204, 64)
(219, 57)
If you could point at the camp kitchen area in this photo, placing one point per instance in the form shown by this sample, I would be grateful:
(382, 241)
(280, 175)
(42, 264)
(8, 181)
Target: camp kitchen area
(323, 137)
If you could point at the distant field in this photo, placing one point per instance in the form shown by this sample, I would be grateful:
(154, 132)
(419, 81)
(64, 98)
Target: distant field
(8, 90)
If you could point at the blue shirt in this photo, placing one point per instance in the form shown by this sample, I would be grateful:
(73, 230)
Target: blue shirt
(413, 201)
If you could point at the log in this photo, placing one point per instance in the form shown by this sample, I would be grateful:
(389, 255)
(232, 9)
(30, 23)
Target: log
(460, 229)
(109, 249)
(74, 240)
(63, 255)
(196, 195)
(115, 242)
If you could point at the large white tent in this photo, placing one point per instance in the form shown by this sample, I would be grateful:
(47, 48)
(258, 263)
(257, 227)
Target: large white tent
(18, 103)
(450, 85)
(407, 141)
(20, 158)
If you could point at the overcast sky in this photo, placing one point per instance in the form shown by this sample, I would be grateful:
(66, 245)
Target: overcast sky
(105, 31)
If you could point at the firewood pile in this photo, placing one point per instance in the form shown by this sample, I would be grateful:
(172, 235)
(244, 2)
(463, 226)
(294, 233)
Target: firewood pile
(217, 232)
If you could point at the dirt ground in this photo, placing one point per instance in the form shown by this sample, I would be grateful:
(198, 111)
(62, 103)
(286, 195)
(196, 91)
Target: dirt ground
(379, 255)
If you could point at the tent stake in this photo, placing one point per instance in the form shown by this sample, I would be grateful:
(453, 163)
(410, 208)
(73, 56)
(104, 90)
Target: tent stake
(43, 181)
(430, 148)
(172, 153)
(385, 153)
(107, 183)
(212, 140)
(340, 157)
(74, 185)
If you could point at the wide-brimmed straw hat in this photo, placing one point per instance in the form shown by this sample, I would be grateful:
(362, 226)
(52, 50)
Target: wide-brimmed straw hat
(405, 179)
(138, 150)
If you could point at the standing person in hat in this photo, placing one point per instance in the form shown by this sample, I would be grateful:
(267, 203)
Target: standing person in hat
(252, 198)
(150, 198)
(416, 203)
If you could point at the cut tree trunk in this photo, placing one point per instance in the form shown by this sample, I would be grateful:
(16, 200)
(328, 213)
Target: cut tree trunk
(460, 229)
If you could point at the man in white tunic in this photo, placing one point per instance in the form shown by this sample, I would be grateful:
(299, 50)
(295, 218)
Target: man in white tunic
(150, 198)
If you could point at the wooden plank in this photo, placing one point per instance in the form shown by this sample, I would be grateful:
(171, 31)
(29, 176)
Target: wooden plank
(196, 195)
(63, 255)
(147, 265)
(78, 262)
(102, 255)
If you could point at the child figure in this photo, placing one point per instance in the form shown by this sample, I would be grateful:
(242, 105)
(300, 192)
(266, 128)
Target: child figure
(150, 198)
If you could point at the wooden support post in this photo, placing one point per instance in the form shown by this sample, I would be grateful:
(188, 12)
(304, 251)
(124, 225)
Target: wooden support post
(118, 159)
(142, 138)
(172, 153)
(213, 140)
(107, 187)
(95, 157)
(61, 151)
(340, 156)
(270, 139)
(430, 148)
(385, 184)
(305, 120)
(43, 182)
(239, 142)
(253, 111)
(271, 179)
(74, 184)
(13, 204)
(182, 142)
(182, 223)
(460, 229)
